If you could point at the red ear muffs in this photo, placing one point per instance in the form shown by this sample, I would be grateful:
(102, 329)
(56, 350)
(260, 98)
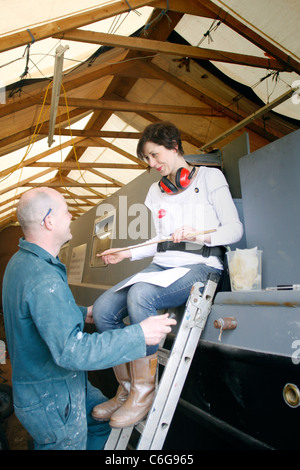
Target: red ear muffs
(166, 186)
(183, 177)
(182, 180)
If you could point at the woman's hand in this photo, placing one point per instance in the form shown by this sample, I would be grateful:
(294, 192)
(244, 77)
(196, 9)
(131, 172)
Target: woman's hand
(114, 256)
(183, 233)
(190, 234)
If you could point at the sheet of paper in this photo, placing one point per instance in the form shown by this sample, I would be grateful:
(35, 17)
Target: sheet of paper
(162, 278)
(77, 264)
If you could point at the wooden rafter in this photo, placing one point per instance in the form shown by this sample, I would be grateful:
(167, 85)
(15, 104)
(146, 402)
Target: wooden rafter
(31, 161)
(95, 133)
(86, 165)
(26, 182)
(64, 183)
(70, 82)
(178, 50)
(79, 197)
(220, 108)
(135, 107)
(271, 49)
(73, 184)
(23, 137)
(265, 109)
(100, 117)
(116, 64)
(76, 21)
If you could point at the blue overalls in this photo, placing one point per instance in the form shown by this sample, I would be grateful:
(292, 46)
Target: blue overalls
(50, 353)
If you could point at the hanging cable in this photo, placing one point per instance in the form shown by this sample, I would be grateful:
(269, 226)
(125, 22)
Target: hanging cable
(37, 129)
(19, 85)
(157, 19)
(74, 150)
(213, 27)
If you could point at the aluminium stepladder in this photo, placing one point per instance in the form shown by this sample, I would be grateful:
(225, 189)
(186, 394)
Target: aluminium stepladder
(153, 430)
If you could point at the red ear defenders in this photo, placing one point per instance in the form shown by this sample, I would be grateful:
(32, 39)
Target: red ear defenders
(182, 180)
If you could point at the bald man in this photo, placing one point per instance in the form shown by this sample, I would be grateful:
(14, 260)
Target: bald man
(49, 351)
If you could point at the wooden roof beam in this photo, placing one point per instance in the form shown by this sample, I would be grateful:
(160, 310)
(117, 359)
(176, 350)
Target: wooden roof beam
(86, 166)
(47, 30)
(69, 195)
(26, 182)
(31, 161)
(104, 176)
(178, 50)
(185, 136)
(75, 184)
(71, 81)
(156, 72)
(189, 7)
(65, 182)
(131, 107)
(95, 133)
(22, 138)
(159, 31)
(6, 221)
(265, 109)
(288, 62)
(104, 143)
(12, 199)
(83, 198)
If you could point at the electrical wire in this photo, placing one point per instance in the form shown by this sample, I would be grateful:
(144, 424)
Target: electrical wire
(75, 153)
(34, 136)
(213, 27)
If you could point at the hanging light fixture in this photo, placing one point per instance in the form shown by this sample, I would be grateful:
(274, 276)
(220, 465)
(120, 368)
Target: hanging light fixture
(57, 79)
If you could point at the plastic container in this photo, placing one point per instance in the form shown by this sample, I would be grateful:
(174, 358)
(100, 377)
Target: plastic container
(245, 269)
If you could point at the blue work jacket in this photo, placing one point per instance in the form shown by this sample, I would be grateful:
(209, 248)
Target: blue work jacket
(49, 351)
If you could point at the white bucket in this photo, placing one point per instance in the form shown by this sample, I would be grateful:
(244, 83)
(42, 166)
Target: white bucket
(245, 269)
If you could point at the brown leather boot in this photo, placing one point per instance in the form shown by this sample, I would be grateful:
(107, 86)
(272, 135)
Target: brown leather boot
(141, 395)
(104, 411)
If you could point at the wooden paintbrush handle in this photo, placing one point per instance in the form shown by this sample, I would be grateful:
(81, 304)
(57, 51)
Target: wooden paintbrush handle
(118, 250)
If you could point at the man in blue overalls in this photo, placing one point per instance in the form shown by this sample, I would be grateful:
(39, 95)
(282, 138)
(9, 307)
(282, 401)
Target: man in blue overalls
(49, 351)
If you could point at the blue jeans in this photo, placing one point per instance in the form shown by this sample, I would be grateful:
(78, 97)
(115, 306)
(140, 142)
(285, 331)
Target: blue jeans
(97, 431)
(142, 300)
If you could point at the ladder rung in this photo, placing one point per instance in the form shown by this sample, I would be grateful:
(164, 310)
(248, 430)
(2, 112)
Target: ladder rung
(163, 356)
(140, 426)
(154, 428)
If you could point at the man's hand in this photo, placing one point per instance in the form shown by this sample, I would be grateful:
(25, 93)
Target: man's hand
(155, 328)
(89, 315)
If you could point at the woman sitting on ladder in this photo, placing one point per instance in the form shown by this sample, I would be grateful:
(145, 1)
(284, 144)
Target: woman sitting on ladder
(187, 200)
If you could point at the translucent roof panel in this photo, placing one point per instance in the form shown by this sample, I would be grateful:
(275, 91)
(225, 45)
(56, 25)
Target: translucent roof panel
(41, 54)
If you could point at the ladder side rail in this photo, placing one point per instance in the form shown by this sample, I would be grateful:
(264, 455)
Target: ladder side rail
(158, 423)
(156, 439)
(160, 416)
(118, 438)
(196, 312)
(174, 360)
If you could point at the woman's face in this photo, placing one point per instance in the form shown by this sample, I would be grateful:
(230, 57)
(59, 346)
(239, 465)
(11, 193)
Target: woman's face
(165, 161)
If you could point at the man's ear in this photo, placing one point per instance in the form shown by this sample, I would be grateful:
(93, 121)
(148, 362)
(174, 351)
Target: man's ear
(48, 223)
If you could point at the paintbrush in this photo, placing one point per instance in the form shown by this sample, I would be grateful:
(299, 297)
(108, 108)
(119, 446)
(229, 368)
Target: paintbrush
(194, 234)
